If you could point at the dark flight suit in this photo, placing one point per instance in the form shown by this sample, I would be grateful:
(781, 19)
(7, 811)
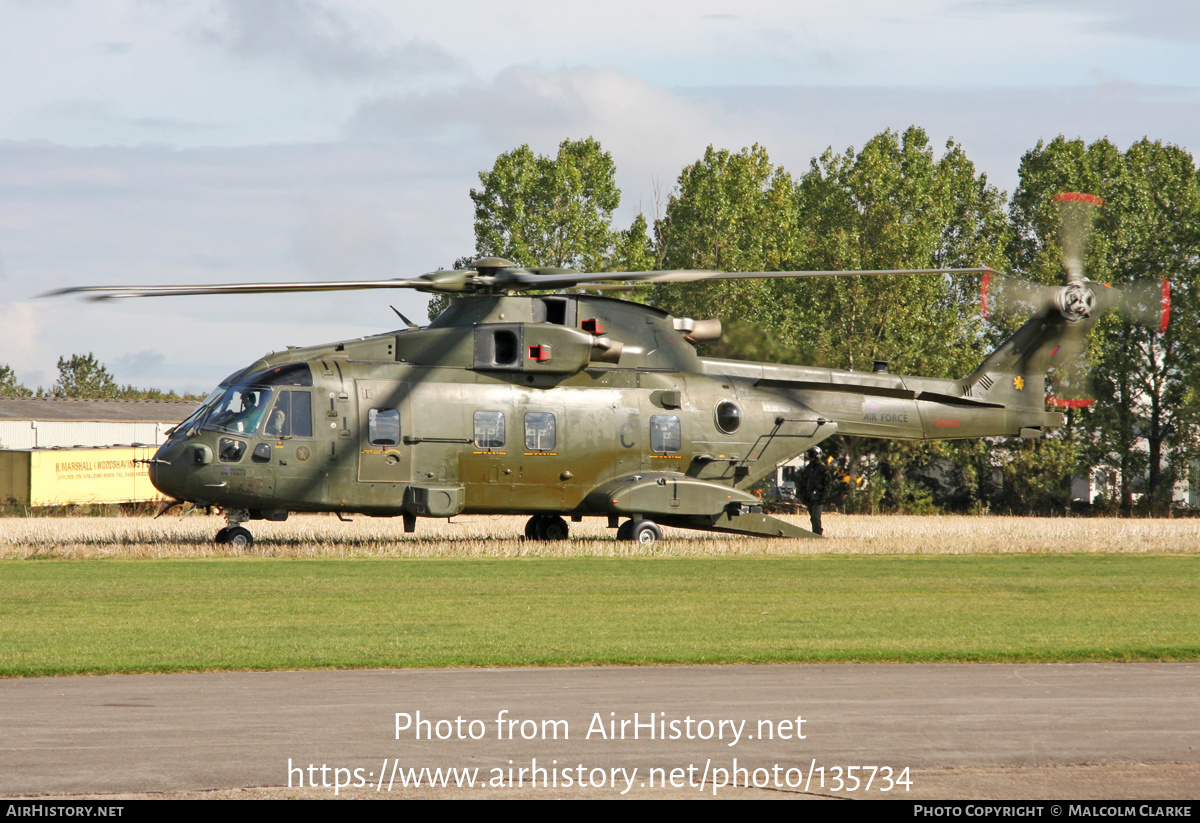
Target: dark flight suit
(813, 487)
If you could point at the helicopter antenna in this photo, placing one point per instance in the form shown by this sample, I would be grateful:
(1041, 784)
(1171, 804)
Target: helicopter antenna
(407, 322)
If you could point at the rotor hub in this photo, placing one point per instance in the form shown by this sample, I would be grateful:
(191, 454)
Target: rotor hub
(1075, 302)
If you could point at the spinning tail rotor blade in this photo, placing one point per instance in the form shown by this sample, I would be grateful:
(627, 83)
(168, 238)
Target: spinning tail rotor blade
(1077, 213)
(1003, 297)
(1146, 303)
(1070, 373)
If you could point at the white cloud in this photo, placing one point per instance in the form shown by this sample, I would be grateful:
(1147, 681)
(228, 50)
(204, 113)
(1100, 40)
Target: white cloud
(321, 38)
(650, 131)
(1161, 20)
(24, 347)
(343, 240)
(137, 365)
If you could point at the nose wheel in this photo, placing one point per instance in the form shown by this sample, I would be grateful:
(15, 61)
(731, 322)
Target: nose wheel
(235, 536)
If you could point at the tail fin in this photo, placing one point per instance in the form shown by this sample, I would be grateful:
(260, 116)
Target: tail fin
(1015, 373)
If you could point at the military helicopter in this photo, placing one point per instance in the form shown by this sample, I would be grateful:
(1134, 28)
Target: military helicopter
(573, 405)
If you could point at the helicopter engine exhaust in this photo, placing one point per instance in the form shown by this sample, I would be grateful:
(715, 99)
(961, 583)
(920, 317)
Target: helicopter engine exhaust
(699, 331)
(606, 350)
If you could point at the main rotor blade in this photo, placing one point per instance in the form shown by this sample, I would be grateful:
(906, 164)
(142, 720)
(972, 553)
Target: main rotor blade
(517, 279)
(484, 279)
(120, 292)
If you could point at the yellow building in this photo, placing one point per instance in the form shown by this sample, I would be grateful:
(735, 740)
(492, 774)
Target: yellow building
(57, 451)
(56, 477)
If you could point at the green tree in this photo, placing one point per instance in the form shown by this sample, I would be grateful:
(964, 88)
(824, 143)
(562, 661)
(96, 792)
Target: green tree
(732, 211)
(633, 250)
(1035, 476)
(538, 211)
(1149, 228)
(9, 387)
(895, 205)
(891, 205)
(84, 376)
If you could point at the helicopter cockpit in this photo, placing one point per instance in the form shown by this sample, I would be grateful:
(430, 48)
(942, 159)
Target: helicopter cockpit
(239, 410)
(239, 405)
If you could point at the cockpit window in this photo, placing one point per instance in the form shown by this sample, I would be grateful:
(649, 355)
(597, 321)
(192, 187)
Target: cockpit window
(201, 410)
(290, 374)
(239, 410)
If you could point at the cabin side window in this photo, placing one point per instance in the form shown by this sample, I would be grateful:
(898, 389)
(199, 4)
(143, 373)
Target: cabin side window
(489, 429)
(540, 431)
(291, 416)
(383, 427)
(666, 435)
(729, 416)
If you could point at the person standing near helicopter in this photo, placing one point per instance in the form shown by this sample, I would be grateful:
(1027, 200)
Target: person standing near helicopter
(812, 486)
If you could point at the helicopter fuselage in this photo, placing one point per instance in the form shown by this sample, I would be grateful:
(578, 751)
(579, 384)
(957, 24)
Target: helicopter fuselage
(547, 405)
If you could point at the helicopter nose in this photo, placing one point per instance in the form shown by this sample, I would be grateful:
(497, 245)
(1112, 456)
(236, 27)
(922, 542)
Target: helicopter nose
(168, 472)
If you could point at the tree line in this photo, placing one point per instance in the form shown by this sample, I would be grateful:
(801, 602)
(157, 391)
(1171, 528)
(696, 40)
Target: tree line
(83, 376)
(898, 203)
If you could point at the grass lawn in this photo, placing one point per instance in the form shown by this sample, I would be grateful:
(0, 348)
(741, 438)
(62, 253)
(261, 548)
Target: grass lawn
(104, 616)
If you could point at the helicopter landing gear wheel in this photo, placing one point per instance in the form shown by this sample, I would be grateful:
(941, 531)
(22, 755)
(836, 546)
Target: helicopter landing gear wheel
(645, 532)
(546, 527)
(553, 528)
(235, 536)
(625, 531)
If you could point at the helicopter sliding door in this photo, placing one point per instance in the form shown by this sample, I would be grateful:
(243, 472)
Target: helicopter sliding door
(487, 463)
(385, 416)
(540, 448)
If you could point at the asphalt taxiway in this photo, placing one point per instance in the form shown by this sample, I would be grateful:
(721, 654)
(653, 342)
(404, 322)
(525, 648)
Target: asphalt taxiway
(796, 729)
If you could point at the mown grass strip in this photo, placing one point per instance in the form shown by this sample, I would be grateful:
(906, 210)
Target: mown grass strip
(76, 617)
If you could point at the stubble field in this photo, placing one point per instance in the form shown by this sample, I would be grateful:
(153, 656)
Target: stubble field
(477, 536)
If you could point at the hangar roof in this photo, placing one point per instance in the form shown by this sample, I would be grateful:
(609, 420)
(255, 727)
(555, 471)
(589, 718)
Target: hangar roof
(96, 411)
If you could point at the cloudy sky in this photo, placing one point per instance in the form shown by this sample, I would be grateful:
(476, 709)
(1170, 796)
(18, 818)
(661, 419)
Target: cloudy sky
(178, 141)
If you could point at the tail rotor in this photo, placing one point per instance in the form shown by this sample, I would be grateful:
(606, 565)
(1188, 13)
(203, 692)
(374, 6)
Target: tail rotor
(1077, 305)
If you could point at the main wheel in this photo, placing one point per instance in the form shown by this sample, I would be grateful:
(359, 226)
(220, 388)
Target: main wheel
(531, 527)
(553, 528)
(645, 532)
(238, 537)
(625, 530)
(222, 536)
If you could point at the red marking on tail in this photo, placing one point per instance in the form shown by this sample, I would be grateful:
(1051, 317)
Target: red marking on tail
(1166, 306)
(983, 294)
(1068, 196)
(1062, 403)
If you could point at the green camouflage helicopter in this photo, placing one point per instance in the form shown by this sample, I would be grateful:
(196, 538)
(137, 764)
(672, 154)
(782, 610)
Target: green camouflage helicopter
(572, 405)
